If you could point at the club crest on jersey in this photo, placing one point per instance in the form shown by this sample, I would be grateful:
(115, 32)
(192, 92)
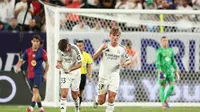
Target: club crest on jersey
(33, 63)
(33, 55)
(167, 59)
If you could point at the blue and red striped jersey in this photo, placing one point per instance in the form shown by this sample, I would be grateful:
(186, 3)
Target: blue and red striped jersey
(35, 60)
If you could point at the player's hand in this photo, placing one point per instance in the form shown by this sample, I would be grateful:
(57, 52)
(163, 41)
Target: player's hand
(59, 66)
(104, 46)
(45, 77)
(177, 74)
(17, 69)
(67, 71)
(90, 79)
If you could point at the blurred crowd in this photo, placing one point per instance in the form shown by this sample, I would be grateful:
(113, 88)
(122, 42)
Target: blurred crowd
(12, 11)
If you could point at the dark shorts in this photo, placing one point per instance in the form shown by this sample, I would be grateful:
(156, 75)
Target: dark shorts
(35, 82)
(83, 82)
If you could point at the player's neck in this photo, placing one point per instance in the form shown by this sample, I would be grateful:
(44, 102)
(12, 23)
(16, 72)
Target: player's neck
(165, 47)
(113, 44)
(34, 49)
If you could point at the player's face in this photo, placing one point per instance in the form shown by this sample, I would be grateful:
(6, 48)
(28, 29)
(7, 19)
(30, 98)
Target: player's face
(114, 38)
(68, 48)
(164, 42)
(80, 46)
(35, 43)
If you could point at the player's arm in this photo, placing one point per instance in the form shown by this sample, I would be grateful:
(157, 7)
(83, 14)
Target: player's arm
(79, 59)
(158, 63)
(89, 67)
(21, 61)
(44, 55)
(99, 51)
(174, 61)
(127, 61)
(59, 60)
(174, 64)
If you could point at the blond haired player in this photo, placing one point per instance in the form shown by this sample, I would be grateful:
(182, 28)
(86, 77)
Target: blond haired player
(113, 56)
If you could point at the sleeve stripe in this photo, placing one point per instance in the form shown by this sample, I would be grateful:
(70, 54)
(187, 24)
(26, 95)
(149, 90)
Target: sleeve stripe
(75, 48)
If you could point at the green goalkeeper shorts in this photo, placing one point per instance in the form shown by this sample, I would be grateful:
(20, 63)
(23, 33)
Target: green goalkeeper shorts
(168, 78)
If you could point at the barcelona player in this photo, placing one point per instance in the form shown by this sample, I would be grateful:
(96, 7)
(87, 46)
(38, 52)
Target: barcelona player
(35, 56)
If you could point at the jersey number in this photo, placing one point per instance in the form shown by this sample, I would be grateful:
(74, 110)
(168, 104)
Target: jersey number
(63, 80)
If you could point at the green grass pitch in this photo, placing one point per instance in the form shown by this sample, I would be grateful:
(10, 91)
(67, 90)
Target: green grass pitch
(16, 108)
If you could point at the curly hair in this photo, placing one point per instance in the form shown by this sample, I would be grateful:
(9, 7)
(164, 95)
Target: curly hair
(62, 45)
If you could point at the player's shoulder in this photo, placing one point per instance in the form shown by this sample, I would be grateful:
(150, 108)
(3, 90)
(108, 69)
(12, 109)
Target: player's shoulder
(86, 54)
(74, 48)
(122, 47)
(28, 49)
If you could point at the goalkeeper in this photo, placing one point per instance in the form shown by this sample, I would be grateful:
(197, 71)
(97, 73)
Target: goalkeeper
(164, 63)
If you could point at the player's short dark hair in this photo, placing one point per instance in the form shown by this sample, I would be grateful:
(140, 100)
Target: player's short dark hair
(80, 41)
(37, 37)
(163, 37)
(115, 30)
(62, 45)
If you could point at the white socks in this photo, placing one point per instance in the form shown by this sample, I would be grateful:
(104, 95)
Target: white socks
(77, 104)
(110, 107)
(63, 105)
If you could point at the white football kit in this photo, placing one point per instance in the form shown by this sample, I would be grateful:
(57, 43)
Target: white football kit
(110, 67)
(69, 59)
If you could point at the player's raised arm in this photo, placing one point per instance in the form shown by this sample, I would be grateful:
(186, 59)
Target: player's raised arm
(99, 51)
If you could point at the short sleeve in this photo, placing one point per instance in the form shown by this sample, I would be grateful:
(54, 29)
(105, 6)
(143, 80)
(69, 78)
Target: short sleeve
(59, 55)
(79, 57)
(25, 56)
(44, 55)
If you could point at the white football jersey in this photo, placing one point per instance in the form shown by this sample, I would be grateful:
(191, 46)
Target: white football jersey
(111, 59)
(70, 58)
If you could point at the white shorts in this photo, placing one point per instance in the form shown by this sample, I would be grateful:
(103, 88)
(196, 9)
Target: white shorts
(71, 79)
(110, 83)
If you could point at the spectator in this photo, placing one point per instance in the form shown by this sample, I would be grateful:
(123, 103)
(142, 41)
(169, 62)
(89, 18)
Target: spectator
(196, 4)
(6, 12)
(20, 11)
(150, 4)
(81, 27)
(168, 4)
(184, 6)
(92, 3)
(36, 7)
(137, 4)
(13, 25)
(124, 4)
(107, 4)
(72, 3)
(32, 27)
(1, 26)
(97, 27)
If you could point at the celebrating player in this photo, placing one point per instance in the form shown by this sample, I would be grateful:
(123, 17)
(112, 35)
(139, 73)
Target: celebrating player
(85, 68)
(164, 63)
(36, 74)
(113, 56)
(69, 59)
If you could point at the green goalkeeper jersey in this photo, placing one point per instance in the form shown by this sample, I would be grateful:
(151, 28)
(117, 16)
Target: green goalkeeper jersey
(165, 60)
